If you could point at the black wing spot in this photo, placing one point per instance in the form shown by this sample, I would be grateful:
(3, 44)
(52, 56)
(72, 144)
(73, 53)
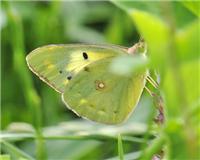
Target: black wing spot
(69, 77)
(60, 71)
(85, 56)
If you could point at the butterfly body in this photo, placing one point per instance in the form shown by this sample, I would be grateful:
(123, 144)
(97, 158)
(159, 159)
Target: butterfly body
(81, 74)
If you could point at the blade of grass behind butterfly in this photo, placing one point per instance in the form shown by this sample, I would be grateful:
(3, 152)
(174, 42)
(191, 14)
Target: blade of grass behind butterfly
(31, 98)
(131, 131)
(120, 148)
(23, 136)
(14, 151)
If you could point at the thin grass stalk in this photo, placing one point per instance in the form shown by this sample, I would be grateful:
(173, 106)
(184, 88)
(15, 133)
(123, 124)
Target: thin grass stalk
(16, 151)
(120, 148)
(32, 100)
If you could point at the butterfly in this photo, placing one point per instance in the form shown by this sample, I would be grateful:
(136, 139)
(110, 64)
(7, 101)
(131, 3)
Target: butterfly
(81, 74)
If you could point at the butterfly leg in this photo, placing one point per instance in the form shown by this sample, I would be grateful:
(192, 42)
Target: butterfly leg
(158, 101)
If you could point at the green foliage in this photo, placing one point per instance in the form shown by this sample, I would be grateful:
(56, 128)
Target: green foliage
(172, 34)
(4, 157)
(35, 123)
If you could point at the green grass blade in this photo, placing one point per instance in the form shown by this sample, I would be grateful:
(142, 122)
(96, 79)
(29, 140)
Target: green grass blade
(24, 136)
(120, 148)
(154, 148)
(16, 151)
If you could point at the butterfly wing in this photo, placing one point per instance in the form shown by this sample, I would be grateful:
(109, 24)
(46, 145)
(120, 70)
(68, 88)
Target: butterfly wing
(58, 64)
(101, 96)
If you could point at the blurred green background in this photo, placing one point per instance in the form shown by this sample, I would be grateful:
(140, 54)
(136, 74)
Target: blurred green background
(35, 123)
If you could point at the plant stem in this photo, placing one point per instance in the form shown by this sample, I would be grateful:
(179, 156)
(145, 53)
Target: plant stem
(120, 148)
(156, 146)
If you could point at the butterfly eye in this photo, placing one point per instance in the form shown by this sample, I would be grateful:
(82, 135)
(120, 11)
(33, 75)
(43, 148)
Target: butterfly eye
(85, 56)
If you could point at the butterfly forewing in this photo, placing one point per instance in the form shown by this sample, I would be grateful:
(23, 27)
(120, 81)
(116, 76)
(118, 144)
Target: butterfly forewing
(57, 65)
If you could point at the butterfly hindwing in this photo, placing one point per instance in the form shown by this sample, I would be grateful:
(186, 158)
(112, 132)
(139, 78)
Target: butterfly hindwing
(58, 64)
(101, 96)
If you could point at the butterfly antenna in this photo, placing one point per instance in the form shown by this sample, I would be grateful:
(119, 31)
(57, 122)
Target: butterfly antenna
(152, 82)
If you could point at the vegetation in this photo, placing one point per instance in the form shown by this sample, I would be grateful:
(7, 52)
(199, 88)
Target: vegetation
(35, 124)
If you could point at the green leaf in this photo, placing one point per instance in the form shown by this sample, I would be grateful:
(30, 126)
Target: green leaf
(155, 22)
(149, 23)
(182, 99)
(193, 6)
(187, 42)
(189, 87)
(128, 65)
(161, 10)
